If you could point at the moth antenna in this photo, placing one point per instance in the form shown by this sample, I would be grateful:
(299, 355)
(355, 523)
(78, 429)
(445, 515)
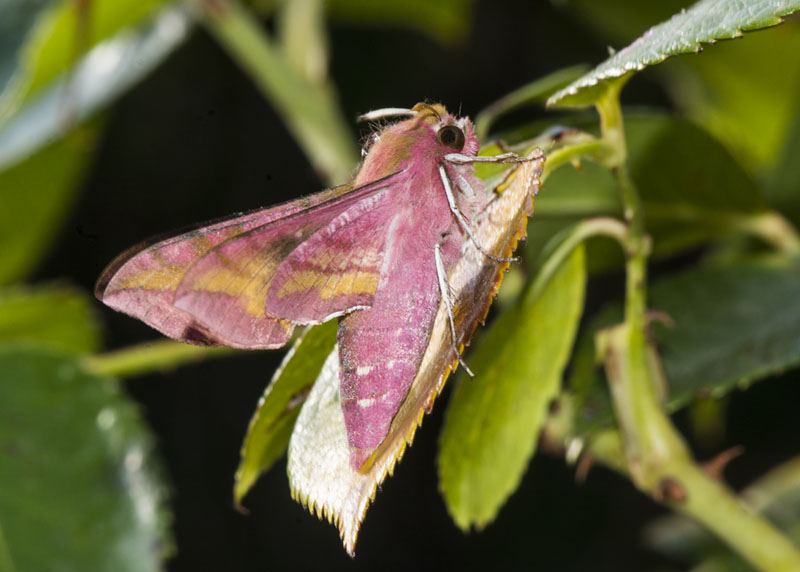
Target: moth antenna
(451, 200)
(386, 112)
(461, 159)
(444, 286)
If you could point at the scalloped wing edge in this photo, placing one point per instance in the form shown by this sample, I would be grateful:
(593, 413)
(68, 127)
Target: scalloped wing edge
(499, 227)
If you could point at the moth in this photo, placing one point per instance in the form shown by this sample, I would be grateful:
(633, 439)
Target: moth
(375, 253)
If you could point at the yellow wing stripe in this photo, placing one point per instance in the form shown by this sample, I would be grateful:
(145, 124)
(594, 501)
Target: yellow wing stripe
(344, 284)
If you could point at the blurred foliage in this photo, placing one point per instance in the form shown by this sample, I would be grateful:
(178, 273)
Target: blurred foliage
(43, 188)
(59, 36)
(58, 316)
(445, 20)
(80, 488)
(718, 179)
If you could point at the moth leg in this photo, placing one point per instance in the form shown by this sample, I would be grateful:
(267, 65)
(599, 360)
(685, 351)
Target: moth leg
(451, 200)
(461, 159)
(462, 183)
(445, 289)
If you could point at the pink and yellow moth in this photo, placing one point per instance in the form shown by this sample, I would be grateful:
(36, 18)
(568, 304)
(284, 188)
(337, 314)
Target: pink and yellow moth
(380, 254)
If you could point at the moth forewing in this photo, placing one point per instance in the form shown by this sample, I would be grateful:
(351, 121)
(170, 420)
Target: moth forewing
(318, 460)
(181, 284)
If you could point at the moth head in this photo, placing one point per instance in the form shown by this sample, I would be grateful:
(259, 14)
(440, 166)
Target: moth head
(426, 133)
(456, 135)
(453, 134)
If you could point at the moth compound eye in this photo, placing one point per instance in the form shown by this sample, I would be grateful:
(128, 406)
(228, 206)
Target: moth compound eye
(451, 136)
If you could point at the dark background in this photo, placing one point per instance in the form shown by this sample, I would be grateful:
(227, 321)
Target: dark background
(196, 141)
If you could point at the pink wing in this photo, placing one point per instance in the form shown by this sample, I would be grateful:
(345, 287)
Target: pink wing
(337, 268)
(302, 278)
(143, 281)
(380, 348)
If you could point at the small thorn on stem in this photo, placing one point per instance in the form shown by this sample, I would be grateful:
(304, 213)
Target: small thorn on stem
(671, 490)
(585, 465)
(716, 466)
(660, 317)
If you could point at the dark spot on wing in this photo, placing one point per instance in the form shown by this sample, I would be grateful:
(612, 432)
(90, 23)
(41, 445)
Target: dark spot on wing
(196, 334)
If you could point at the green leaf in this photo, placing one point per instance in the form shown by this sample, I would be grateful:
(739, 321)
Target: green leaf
(106, 72)
(733, 324)
(17, 18)
(443, 20)
(493, 421)
(273, 421)
(692, 188)
(36, 195)
(705, 22)
(744, 93)
(62, 31)
(782, 184)
(79, 489)
(56, 316)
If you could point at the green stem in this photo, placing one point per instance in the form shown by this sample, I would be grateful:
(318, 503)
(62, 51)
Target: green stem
(149, 357)
(774, 229)
(660, 463)
(310, 110)
(658, 459)
(753, 537)
(587, 228)
(613, 131)
(591, 148)
(606, 446)
(639, 244)
(304, 39)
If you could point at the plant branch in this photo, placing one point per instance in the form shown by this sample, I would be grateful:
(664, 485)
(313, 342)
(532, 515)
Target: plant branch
(774, 229)
(661, 465)
(591, 147)
(585, 229)
(149, 357)
(658, 460)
